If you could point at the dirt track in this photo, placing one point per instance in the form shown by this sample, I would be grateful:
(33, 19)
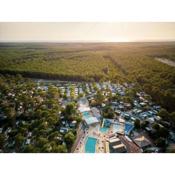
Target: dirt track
(166, 61)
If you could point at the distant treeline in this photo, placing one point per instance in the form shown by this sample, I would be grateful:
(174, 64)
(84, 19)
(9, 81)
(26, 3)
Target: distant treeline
(42, 75)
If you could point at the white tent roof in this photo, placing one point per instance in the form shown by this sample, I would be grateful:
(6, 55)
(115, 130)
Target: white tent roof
(84, 108)
(91, 120)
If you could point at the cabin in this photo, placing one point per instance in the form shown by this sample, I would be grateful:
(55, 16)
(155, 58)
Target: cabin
(2, 117)
(127, 106)
(157, 118)
(28, 141)
(64, 130)
(73, 124)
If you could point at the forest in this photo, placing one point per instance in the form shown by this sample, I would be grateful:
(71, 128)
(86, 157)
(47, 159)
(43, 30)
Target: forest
(30, 118)
(116, 62)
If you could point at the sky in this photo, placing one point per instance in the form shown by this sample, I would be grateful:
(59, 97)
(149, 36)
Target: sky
(86, 31)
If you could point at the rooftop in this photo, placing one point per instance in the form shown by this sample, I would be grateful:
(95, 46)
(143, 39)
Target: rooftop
(91, 120)
(142, 141)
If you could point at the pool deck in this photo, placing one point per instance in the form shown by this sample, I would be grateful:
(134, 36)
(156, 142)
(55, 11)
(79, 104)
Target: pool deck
(95, 133)
(80, 146)
(100, 147)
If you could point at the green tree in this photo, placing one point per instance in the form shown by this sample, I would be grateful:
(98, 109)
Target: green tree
(41, 141)
(11, 114)
(55, 136)
(53, 92)
(46, 148)
(144, 124)
(99, 98)
(156, 126)
(137, 124)
(30, 149)
(160, 142)
(2, 140)
(19, 140)
(108, 112)
(69, 138)
(60, 149)
(172, 116)
(70, 109)
(164, 114)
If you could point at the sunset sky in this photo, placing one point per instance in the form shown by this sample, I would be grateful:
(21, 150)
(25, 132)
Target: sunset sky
(87, 31)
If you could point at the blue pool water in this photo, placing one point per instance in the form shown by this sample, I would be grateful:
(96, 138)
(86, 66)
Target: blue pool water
(107, 122)
(104, 130)
(86, 115)
(128, 128)
(90, 145)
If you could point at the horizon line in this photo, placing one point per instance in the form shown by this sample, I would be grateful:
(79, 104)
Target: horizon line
(81, 41)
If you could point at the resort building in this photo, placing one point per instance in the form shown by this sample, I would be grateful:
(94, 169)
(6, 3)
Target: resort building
(130, 145)
(116, 146)
(119, 148)
(96, 113)
(114, 141)
(90, 116)
(91, 121)
(119, 128)
(142, 142)
(83, 105)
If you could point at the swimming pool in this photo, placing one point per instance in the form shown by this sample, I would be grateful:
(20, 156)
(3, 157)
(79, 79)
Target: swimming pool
(90, 146)
(86, 115)
(104, 129)
(128, 128)
(107, 122)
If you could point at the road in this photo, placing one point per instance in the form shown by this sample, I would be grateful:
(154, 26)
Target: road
(166, 61)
